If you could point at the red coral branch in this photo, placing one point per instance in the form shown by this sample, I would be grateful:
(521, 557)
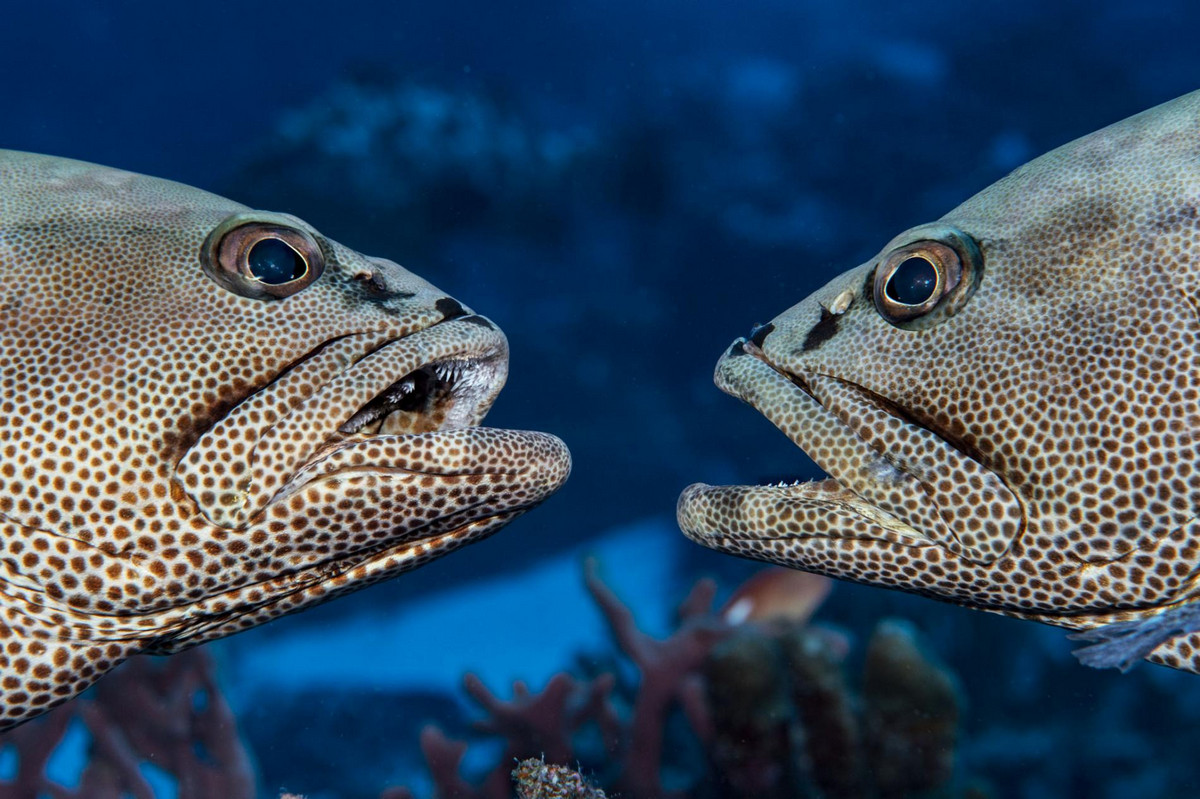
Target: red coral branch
(170, 715)
(669, 673)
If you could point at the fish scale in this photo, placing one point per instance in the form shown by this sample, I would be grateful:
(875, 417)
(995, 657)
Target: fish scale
(1042, 393)
(158, 394)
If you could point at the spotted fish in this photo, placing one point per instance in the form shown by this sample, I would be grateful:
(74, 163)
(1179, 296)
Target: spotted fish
(1005, 400)
(213, 416)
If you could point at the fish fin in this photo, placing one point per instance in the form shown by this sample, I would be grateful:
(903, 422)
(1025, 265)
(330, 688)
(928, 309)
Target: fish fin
(1122, 644)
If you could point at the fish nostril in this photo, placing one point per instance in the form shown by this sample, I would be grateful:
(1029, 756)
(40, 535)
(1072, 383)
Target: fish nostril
(371, 279)
(736, 348)
(450, 308)
(759, 333)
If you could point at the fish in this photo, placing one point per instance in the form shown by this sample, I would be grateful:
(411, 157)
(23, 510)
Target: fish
(776, 596)
(1004, 401)
(212, 416)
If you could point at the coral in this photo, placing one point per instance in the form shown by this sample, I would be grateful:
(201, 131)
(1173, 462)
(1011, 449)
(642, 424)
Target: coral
(769, 706)
(530, 723)
(548, 723)
(759, 709)
(789, 724)
(167, 714)
(754, 725)
(910, 714)
(669, 671)
(827, 707)
(537, 780)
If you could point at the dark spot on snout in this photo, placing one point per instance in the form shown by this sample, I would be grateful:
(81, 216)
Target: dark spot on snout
(736, 349)
(821, 332)
(759, 334)
(479, 320)
(449, 308)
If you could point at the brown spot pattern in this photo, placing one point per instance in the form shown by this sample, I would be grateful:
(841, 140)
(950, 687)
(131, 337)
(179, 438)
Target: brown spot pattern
(1032, 451)
(179, 461)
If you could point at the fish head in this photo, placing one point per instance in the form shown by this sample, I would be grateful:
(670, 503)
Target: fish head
(216, 415)
(1005, 400)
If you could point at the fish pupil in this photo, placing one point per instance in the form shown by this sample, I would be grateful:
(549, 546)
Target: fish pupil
(913, 282)
(275, 262)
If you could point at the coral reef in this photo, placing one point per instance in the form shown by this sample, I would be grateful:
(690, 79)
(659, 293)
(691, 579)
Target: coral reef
(757, 709)
(153, 725)
(537, 780)
(788, 722)
(716, 709)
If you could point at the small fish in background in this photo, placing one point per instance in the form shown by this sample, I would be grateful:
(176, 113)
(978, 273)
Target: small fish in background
(776, 594)
(213, 416)
(1006, 402)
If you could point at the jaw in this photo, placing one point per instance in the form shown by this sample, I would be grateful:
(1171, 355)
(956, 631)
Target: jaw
(903, 507)
(404, 516)
(343, 393)
(788, 511)
(364, 461)
(824, 528)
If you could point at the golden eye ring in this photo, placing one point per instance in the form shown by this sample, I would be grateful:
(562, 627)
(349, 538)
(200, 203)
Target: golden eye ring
(912, 280)
(922, 281)
(262, 256)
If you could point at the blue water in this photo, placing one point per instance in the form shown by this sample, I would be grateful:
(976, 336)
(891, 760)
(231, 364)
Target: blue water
(624, 187)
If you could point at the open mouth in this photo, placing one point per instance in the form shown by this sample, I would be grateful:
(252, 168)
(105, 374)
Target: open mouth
(368, 451)
(352, 389)
(361, 461)
(411, 404)
(892, 479)
(466, 366)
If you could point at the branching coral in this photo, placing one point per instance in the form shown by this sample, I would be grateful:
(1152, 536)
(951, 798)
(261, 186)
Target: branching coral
(167, 714)
(764, 708)
(769, 703)
(670, 673)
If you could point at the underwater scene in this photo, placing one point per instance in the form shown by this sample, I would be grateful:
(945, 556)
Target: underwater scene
(402, 472)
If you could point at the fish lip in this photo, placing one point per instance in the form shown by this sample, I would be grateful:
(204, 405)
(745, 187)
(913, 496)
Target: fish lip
(828, 488)
(236, 468)
(890, 471)
(481, 366)
(477, 356)
(472, 374)
(181, 627)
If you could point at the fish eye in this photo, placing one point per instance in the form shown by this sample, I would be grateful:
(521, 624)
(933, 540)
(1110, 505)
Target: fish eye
(262, 256)
(911, 281)
(274, 261)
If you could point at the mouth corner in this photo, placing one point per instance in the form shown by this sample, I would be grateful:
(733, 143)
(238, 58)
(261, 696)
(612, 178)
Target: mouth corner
(887, 468)
(449, 392)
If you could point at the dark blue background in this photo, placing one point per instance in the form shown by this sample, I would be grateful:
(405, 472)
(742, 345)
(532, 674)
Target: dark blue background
(724, 160)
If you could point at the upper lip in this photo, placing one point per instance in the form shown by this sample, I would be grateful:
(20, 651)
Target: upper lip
(920, 480)
(449, 375)
(337, 395)
(442, 385)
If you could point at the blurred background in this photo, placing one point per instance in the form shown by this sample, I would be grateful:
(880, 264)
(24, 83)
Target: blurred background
(624, 187)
